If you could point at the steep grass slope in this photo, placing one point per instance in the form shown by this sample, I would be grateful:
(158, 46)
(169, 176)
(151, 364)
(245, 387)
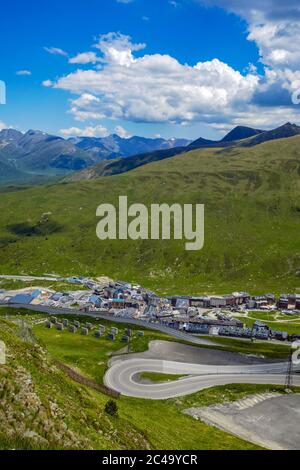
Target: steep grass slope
(41, 408)
(252, 205)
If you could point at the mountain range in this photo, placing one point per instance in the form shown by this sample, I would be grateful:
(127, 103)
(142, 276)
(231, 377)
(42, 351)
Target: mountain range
(36, 156)
(114, 146)
(240, 136)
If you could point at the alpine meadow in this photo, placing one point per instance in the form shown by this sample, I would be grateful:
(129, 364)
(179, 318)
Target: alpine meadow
(252, 223)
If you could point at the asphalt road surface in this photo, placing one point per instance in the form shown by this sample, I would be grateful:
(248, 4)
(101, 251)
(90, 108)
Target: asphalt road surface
(122, 377)
(31, 278)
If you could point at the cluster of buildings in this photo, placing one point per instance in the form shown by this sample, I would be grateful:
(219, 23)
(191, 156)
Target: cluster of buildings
(117, 298)
(238, 301)
(213, 315)
(230, 327)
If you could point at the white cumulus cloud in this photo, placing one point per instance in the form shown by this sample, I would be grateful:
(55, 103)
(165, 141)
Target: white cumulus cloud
(124, 82)
(274, 25)
(84, 58)
(89, 131)
(154, 88)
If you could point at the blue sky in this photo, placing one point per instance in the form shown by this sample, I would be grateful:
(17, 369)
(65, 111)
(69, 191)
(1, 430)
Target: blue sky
(139, 72)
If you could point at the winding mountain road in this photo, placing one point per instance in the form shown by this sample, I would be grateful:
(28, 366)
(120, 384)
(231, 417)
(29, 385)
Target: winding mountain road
(122, 377)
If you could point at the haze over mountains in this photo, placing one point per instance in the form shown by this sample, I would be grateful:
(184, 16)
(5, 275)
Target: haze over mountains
(37, 153)
(115, 146)
(36, 156)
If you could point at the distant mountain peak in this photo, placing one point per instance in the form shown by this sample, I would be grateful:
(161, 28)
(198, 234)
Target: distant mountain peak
(236, 134)
(282, 132)
(201, 142)
(248, 136)
(289, 125)
(10, 133)
(241, 132)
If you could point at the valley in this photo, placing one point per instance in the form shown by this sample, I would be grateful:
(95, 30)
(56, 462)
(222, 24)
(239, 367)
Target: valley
(251, 199)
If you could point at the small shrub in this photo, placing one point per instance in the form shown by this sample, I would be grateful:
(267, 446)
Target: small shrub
(111, 408)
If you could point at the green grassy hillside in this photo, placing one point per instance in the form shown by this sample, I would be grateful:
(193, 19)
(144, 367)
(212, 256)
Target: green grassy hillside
(42, 408)
(252, 199)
